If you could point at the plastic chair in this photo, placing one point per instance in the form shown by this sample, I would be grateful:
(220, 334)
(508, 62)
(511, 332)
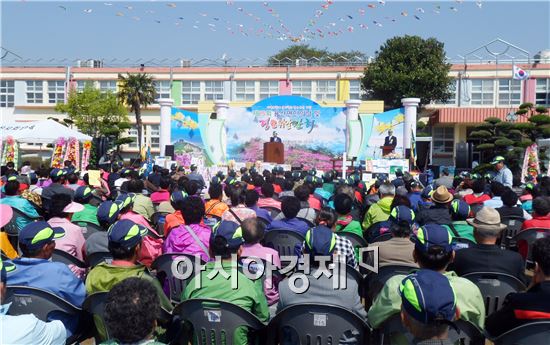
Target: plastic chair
(96, 258)
(40, 303)
(307, 221)
(284, 241)
(66, 258)
(157, 220)
(274, 212)
(374, 282)
(356, 240)
(513, 226)
(215, 321)
(314, 323)
(384, 237)
(528, 334)
(524, 241)
(11, 228)
(211, 220)
(392, 331)
(163, 265)
(462, 243)
(95, 305)
(90, 228)
(494, 287)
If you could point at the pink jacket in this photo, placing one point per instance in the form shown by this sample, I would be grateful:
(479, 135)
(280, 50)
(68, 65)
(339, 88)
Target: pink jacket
(181, 241)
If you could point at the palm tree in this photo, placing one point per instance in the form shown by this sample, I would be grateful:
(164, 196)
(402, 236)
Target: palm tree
(137, 91)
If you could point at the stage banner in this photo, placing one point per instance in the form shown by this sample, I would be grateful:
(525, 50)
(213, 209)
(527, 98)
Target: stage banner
(312, 134)
(382, 123)
(186, 136)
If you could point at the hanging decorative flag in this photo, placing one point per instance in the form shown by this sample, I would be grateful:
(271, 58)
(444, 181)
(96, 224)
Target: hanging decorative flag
(519, 74)
(530, 165)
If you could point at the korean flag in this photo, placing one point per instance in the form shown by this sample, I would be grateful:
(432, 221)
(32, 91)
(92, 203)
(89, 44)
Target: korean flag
(519, 74)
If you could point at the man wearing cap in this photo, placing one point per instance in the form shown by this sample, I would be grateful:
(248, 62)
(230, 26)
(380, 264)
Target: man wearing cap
(486, 255)
(107, 215)
(37, 241)
(195, 176)
(225, 241)
(445, 179)
(175, 219)
(58, 179)
(13, 199)
(439, 212)
(320, 243)
(83, 195)
(414, 194)
(433, 250)
(398, 250)
(380, 211)
(428, 307)
(504, 175)
(530, 306)
(460, 211)
(26, 329)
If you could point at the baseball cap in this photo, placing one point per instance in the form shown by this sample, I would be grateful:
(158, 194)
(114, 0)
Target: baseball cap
(320, 240)
(83, 193)
(460, 208)
(427, 192)
(36, 234)
(310, 179)
(193, 167)
(327, 176)
(6, 213)
(428, 297)
(215, 180)
(108, 212)
(232, 173)
(123, 200)
(125, 233)
(231, 231)
(73, 207)
(57, 172)
(402, 214)
(178, 195)
(498, 159)
(431, 235)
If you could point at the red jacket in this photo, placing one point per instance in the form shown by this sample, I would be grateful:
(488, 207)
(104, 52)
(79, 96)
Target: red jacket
(537, 222)
(471, 199)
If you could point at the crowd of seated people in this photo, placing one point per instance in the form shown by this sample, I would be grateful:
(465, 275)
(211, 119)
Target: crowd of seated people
(439, 233)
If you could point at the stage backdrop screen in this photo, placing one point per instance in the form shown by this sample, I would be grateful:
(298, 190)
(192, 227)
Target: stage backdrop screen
(312, 134)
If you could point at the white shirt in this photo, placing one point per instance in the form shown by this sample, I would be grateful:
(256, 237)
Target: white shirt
(27, 329)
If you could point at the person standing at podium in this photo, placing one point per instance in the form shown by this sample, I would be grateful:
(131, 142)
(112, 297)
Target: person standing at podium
(390, 139)
(275, 138)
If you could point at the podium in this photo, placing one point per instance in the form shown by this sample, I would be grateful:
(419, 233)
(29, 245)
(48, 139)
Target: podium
(387, 149)
(274, 152)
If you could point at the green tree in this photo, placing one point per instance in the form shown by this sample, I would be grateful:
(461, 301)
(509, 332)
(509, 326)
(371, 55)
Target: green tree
(137, 91)
(304, 51)
(96, 113)
(408, 66)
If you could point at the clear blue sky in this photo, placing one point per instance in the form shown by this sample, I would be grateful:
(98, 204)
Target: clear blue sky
(193, 29)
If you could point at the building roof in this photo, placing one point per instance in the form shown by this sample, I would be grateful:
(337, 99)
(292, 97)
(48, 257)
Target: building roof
(470, 115)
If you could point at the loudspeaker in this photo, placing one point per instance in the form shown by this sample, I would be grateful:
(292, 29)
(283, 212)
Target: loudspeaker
(169, 151)
(463, 156)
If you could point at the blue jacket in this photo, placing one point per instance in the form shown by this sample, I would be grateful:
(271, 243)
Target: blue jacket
(415, 198)
(290, 224)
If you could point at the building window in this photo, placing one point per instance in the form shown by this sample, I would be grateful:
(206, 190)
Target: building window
(155, 136)
(133, 133)
(443, 140)
(162, 87)
(483, 91)
(107, 85)
(269, 88)
(355, 89)
(301, 88)
(245, 90)
(326, 90)
(7, 93)
(56, 91)
(213, 90)
(82, 84)
(190, 92)
(509, 92)
(452, 94)
(35, 91)
(543, 92)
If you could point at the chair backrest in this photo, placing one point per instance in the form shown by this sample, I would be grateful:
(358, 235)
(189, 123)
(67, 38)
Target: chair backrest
(374, 282)
(96, 258)
(11, 228)
(211, 220)
(356, 240)
(393, 331)
(284, 241)
(273, 211)
(513, 226)
(494, 287)
(264, 221)
(524, 241)
(528, 334)
(29, 300)
(90, 228)
(66, 258)
(158, 219)
(163, 264)
(307, 221)
(215, 321)
(95, 305)
(321, 324)
(462, 243)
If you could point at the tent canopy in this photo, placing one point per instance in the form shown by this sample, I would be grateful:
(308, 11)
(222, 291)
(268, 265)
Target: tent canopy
(43, 132)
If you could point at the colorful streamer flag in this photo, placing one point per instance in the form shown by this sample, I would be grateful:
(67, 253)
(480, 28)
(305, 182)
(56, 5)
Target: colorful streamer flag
(413, 149)
(519, 73)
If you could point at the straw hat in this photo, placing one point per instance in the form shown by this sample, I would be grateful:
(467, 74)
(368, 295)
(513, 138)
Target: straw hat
(441, 195)
(487, 219)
